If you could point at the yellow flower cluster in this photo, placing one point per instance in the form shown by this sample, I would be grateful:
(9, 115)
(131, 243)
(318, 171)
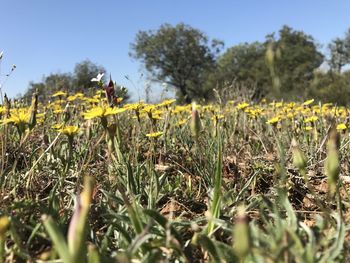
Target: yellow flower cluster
(306, 116)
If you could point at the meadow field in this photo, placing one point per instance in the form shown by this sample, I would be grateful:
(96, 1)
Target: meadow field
(84, 181)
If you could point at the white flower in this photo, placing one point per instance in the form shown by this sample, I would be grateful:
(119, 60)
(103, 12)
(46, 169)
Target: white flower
(98, 78)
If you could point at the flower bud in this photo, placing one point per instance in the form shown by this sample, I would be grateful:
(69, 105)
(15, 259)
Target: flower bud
(109, 90)
(299, 159)
(270, 55)
(7, 105)
(195, 121)
(33, 111)
(88, 130)
(4, 225)
(332, 165)
(241, 234)
(78, 225)
(66, 113)
(194, 240)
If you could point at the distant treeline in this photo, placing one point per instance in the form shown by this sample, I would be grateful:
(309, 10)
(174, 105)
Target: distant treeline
(70, 82)
(287, 65)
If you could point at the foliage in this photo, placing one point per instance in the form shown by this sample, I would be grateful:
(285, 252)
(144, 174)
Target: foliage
(50, 84)
(79, 81)
(284, 66)
(180, 56)
(83, 73)
(331, 86)
(339, 52)
(296, 59)
(286, 74)
(243, 63)
(230, 181)
(239, 182)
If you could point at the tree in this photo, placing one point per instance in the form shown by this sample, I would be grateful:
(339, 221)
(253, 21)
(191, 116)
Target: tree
(281, 67)
(39, 87)
(339, 52)
(78, 81)
(329, 87)
(49, 85)
(295, 58)
(59, 81)
(83, 73)
(180, 56)
(242, 65)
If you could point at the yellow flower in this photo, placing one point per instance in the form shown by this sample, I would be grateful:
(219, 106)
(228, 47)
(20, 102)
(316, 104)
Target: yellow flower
(40, 120)
(276, 104)
(308, 128)
(118, 100)
(290, 115)
(273, 120)
(57, 126)
(72, 98)
(308, 102)
(59, 94)
(91, 100)
(2, 109)
(99, 92)
(148, 108)
(69, 130)
(311, 119)
(179, 109)
(291, 105)
(254, 112)
(18, 116)
(242, 105)
(341, 127)
(154, 134)
(166, 102)
(57, 111)
(101, 112)
(156, 117)
(217, 117)
(181, 122)
(134, 106)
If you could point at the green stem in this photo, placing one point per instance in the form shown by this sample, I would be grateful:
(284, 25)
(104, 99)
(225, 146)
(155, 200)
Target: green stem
(69, 155)
(2, 248)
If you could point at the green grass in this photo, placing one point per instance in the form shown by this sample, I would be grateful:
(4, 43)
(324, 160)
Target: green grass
(231, 193)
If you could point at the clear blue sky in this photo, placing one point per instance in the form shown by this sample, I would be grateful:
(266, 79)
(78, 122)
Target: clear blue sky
(48, 36)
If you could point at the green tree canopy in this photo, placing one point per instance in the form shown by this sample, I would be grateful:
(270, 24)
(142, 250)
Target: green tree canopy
(293, 57)
(242, 64)
(296, 59)
(339, 52)
(180, 56)
(78, 81)
(330, 87)
(49, 85)
(83, 73)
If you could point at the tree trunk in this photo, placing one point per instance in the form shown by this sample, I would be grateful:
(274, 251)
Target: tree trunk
(184, 95)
